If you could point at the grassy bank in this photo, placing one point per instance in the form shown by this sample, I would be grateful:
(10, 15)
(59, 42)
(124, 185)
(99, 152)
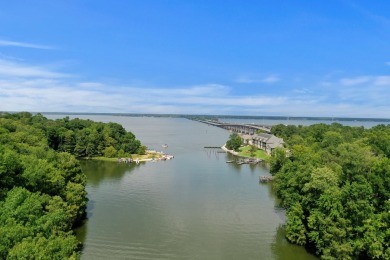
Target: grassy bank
(259, 154)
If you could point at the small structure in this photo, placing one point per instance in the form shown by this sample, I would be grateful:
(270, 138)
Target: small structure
(266, 178)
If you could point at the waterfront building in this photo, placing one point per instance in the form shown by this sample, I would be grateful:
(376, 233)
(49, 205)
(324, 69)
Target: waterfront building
(264, 141)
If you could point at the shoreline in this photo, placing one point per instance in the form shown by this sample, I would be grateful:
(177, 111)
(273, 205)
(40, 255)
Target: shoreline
(150, 156)
(229, 151)
(241, 156)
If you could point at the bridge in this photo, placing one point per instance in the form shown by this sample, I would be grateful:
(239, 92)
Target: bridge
(249, 129)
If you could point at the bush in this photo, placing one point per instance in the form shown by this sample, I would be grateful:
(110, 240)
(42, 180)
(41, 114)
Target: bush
(110, 152)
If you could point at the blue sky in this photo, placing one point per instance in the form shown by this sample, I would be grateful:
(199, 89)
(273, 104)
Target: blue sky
(290, 58)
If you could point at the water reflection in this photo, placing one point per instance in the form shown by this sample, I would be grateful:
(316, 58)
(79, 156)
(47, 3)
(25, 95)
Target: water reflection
(99, 171)
(282, 249)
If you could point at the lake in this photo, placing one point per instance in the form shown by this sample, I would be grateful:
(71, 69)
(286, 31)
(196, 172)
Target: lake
(195, 206)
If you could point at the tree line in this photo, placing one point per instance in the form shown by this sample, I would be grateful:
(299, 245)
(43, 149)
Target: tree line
(42, 187)
(86, 138)
(334, 182)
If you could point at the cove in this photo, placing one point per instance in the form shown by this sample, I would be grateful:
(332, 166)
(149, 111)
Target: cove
(195, 206)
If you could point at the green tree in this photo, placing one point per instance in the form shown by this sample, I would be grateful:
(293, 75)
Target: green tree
(252, 150)
(335, 185)
(295, 228)
(42, 192)
(110, 152)
(141, 150)
(278, 159)
(234, 142)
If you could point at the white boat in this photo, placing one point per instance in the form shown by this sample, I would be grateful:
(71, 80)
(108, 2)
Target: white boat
(164, 145)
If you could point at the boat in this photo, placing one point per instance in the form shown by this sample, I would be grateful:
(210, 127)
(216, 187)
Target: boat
(164, 145)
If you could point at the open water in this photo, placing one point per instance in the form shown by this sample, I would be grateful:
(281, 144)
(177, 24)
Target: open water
(195, 206)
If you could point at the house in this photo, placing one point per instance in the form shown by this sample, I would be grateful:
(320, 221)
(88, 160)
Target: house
(266, 142)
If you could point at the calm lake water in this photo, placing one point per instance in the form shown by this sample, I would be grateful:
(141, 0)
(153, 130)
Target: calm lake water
(195, 206)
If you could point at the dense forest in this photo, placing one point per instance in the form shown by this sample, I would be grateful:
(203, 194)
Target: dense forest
(334, 182)
(42, 187)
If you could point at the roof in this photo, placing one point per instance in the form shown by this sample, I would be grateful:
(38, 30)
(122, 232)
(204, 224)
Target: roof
(270, 140)
(247, 137)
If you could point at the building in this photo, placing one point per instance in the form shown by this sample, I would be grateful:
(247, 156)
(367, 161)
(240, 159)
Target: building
(266, 142)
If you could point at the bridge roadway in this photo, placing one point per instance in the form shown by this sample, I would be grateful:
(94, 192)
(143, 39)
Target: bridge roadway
(239, 128)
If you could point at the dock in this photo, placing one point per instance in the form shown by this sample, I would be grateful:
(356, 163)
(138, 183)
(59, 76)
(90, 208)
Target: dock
(249, 161)
(245, 161)
(266, 178)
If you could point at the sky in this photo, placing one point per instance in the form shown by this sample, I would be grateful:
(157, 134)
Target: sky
(261, 58)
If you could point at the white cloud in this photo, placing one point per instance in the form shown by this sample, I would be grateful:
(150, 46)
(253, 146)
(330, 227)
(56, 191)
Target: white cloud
(34, 88)
(382, 80)
(248, 79)
(270, 79)
(302, 91)
(17, 69)
(24, 45)
(354, 81)
(39, 88)
(362, 91)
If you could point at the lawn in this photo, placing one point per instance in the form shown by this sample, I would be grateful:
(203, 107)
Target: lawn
(260, 154)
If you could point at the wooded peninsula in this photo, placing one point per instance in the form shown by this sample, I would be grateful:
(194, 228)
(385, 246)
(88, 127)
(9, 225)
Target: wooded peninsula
(42, 187)
(334, 182)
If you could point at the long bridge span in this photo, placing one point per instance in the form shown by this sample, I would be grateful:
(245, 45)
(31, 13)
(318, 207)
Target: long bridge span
(239, 128)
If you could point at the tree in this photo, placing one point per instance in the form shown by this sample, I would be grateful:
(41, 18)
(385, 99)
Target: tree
(253, 150)
(335, 186)
(141, 150)
(42, 192)
(295, 229)
(110, 152)
(62, 246)
(234, 142)
(278, 159)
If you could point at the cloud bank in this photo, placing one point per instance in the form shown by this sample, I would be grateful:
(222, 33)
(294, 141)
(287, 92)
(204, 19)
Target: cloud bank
(25, 87)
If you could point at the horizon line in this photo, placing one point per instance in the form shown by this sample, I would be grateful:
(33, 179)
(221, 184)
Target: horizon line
(330, 118)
